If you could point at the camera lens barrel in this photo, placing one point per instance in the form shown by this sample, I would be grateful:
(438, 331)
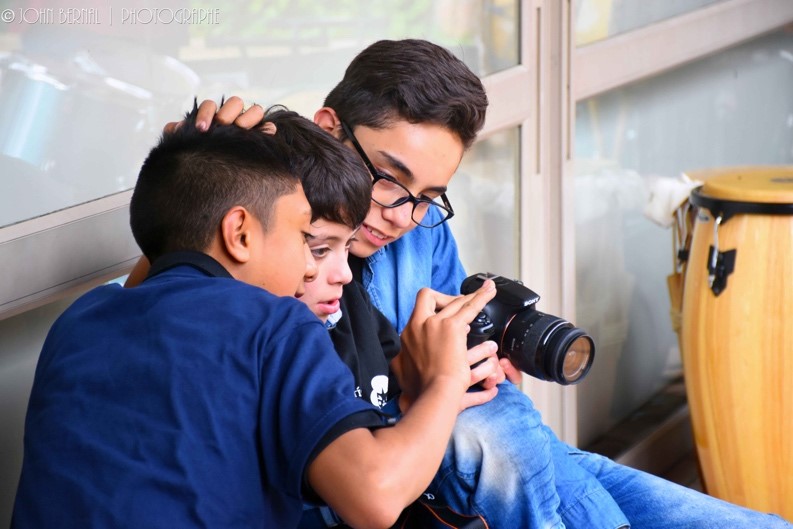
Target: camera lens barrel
(548, 347)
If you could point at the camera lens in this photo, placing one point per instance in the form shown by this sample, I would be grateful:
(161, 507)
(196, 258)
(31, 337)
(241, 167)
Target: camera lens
(577, 358)
(548, 347)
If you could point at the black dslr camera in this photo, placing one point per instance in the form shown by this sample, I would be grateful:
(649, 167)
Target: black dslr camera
(543, 346)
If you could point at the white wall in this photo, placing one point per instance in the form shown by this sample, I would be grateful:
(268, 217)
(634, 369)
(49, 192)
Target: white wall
(21, 338)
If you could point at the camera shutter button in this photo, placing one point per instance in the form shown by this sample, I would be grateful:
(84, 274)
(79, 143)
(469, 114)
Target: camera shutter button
(482, 320)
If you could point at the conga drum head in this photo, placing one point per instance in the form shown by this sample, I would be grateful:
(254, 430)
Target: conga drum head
(768, 185)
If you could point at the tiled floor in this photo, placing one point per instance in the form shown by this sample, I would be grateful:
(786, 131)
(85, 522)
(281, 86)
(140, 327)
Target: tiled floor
(685, 472)
(656, 438)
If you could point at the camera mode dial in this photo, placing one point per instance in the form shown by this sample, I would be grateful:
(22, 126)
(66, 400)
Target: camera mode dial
(482, 328)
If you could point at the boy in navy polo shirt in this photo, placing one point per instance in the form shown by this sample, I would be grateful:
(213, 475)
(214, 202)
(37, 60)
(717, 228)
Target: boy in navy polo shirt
(206, 396)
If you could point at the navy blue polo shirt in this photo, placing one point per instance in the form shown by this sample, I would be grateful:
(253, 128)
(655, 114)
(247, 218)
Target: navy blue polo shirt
(192, 400)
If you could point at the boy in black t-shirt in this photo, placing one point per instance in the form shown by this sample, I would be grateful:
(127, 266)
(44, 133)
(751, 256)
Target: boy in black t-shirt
(332, 296)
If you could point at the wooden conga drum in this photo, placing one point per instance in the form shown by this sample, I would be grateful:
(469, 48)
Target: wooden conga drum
(737, 335)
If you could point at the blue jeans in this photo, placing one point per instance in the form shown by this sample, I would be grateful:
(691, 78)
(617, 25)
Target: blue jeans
(652, 502)
(505, 465)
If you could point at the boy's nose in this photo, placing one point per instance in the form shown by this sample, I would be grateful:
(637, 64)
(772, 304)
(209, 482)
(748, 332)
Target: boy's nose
(345, 275)
(400, 216)
(338, 271)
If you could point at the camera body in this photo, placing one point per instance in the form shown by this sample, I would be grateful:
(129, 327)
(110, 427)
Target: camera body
(541, 345)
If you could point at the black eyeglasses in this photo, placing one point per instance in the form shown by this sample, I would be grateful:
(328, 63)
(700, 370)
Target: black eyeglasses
(389, 193)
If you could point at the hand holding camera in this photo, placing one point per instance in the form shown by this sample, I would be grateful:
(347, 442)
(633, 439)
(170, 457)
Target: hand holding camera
(434, 341)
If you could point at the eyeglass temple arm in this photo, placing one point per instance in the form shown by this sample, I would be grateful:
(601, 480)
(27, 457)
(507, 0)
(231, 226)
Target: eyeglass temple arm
(348, 132)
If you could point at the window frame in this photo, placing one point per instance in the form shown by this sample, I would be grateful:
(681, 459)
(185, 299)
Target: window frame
(622, 59)
(64, 252)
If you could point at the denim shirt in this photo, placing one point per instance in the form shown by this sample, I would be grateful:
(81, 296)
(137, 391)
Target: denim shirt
(423, 257)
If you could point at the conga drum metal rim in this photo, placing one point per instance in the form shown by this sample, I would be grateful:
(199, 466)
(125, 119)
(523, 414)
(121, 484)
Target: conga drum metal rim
(727, 208)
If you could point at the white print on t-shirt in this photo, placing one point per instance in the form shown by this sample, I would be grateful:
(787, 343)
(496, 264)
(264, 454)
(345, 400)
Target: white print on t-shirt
(379, 394)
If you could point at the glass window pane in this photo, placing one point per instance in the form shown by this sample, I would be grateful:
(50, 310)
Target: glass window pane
(484, 194)
(84, 92)
(734, 108)
(599, 19)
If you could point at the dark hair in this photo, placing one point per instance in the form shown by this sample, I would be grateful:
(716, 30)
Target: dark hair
(336, 182)
(412, 80)
(191, 179)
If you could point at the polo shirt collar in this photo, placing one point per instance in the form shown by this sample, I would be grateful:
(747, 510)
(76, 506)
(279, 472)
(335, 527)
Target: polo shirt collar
(198, 260)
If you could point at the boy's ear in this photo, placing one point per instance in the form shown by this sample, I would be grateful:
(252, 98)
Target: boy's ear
(328, 121)
(236, 233)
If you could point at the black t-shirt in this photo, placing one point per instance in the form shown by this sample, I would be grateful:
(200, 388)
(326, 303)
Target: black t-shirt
(366, 342)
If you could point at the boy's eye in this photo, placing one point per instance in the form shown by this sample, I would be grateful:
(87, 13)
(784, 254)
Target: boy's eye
(320, 252)
(389, 181)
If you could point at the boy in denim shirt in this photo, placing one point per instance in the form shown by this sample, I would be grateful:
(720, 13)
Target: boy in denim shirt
(411, 109)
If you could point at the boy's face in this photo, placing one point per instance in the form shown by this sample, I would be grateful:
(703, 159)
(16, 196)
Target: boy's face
(330, 245)
(281, 261)
(422, 157)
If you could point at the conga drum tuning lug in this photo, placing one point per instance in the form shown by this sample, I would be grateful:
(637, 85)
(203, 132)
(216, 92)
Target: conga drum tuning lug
(720, 265)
